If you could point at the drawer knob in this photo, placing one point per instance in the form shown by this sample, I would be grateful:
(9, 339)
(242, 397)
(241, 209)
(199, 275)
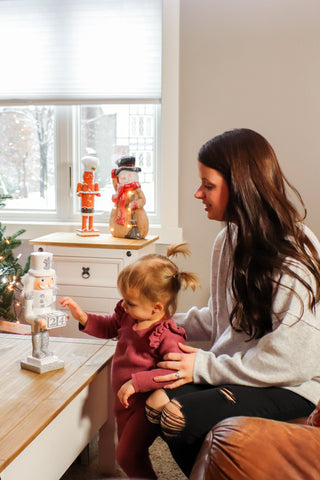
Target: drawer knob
(129, 253)
(85, 272)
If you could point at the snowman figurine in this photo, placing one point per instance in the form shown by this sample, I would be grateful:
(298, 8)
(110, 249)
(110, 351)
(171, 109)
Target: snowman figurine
(128, 218)
(40, 295)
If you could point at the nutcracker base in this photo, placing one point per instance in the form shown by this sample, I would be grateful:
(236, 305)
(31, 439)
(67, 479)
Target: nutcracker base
(88, 233)
(42, 365)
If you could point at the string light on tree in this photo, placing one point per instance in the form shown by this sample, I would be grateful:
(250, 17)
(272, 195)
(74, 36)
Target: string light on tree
(10, 273)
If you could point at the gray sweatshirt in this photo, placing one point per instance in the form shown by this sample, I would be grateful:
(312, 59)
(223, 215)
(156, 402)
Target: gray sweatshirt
(288, 357)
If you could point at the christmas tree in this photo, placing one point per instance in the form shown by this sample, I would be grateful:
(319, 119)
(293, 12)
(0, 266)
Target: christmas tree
(10, 272)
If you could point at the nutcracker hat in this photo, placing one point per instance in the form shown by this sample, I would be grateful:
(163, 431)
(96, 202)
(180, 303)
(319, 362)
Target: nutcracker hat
(126, 163)
(41, 264)
(90, 163)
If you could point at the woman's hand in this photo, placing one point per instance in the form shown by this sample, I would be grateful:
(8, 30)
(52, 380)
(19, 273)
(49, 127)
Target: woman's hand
(183, 363)
(125, 392)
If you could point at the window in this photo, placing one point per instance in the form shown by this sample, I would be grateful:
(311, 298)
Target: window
(112, 131)
(132, 98)
(30, 158)
(27, 152)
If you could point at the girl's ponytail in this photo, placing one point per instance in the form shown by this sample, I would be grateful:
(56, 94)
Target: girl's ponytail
(186, 279)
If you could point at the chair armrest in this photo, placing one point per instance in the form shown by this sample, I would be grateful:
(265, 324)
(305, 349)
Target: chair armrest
(243, 448)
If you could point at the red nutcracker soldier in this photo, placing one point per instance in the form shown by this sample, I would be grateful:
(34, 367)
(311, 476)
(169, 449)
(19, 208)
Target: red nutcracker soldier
(87, 191)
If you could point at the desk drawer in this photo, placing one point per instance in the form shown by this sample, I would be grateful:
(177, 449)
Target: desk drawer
(102, 306)
(97, 272)
(90, 303)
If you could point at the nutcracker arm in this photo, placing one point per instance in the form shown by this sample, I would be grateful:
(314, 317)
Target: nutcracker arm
(28, 313)
(96, 190)
(37, 322)
(79, 189)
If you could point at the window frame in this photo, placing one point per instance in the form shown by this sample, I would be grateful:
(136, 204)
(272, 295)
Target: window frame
(167, 226)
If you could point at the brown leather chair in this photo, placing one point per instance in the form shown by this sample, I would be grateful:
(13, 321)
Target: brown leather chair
(243, 448)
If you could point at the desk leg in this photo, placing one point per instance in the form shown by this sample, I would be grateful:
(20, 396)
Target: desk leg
(106, 443)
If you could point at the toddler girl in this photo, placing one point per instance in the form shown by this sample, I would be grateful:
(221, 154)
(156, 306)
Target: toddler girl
(142, 322)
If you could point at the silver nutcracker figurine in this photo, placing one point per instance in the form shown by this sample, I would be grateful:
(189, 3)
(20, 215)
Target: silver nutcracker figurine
(39, 290)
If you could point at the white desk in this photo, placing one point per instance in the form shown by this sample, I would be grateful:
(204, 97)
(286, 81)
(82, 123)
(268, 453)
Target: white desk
(46, 420)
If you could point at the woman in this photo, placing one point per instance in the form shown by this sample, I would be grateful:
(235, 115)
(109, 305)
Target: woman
(263, 316)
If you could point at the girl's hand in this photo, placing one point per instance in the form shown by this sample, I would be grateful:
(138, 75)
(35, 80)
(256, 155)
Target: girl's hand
(75, 310)
(125, 392)
(183, 363)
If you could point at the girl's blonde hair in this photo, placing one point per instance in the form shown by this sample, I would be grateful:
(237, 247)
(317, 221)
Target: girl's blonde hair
(158, 278)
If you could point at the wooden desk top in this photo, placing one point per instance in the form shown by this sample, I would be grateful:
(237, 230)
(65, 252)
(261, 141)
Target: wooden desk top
(30, 401)
(71, 239)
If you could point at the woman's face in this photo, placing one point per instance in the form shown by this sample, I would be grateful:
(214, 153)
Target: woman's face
(213, 192)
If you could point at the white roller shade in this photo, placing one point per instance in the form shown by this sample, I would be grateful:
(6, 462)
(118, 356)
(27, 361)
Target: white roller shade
(80, 51)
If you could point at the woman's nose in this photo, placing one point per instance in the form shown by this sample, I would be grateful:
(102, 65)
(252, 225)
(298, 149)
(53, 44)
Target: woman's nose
(198, 194)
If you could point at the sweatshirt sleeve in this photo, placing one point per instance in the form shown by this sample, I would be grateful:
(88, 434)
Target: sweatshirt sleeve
(202, 324)
(287, 356)
(168, 342)
(198, 323)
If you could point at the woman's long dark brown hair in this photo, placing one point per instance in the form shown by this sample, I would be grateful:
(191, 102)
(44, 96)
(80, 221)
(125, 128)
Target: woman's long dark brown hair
(268, 226)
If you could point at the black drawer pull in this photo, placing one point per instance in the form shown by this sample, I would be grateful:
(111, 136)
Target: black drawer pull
(85, 272)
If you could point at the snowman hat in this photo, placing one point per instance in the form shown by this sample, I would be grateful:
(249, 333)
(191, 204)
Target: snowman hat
(126, 163)
(90, 163)
(41, 264)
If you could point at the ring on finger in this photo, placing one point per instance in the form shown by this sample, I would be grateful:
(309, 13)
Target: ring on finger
(178, 375)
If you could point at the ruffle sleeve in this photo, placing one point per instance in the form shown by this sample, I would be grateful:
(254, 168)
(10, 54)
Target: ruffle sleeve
(162, 330)
(163, 339)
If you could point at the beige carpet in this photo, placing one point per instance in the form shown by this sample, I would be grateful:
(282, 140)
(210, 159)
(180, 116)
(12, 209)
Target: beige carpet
(163, 464)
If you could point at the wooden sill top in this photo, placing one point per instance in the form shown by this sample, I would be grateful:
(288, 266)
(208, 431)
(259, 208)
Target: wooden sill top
(71, 239)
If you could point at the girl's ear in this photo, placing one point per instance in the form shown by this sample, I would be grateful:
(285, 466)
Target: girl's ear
(157, 308)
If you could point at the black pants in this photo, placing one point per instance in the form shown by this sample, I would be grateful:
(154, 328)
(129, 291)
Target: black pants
(203, 406)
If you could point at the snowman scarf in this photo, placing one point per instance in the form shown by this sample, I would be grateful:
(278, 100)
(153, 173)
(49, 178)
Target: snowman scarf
(120, 197)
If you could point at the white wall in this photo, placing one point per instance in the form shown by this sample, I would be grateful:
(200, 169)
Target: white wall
(246, 63)
(254, 64)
